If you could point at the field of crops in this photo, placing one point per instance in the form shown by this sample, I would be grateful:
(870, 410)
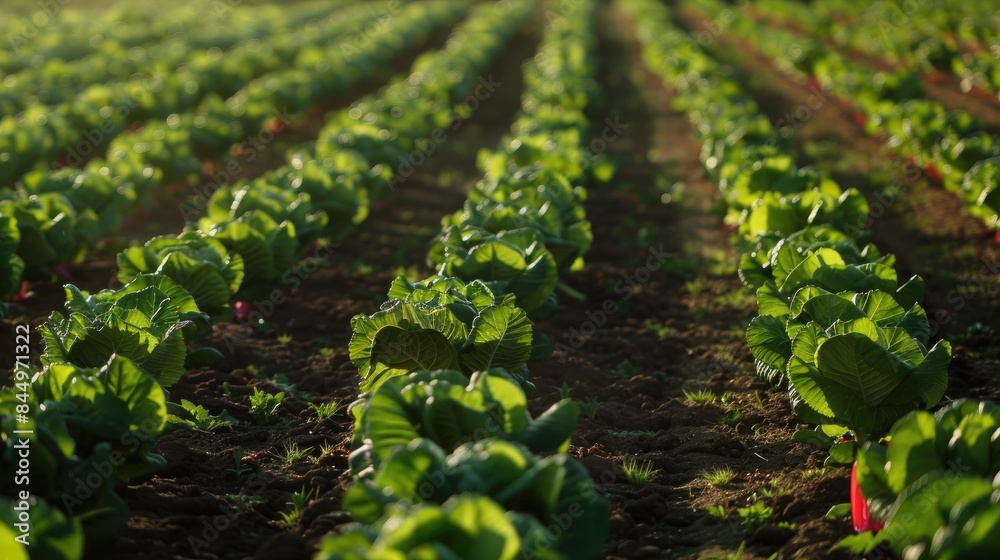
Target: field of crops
(524, 279)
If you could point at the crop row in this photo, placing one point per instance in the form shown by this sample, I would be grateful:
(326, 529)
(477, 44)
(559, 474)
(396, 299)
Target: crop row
(54, 31)
(956, 37)
(93, 412)
(58, 81)
(79, 127)
(55, 217)
(836, 327)
(952, 146)
(447, 460)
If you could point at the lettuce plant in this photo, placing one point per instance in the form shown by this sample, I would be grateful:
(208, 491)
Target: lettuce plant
(960, 438)
(11, 263)
(334, 186)
(825, 268)
(979, 190)
(775, 174)
(103, 405)
(214, 129)
(199, 264)
(465, 527)
(441, 323)
(514, 262)
(52, 231)
(86, 191)
(29, 138)
(852, 359)
(863, 376)
(267, 247)
(164, 145)
(88, 420)
(144, 321)
(556, 150)
(450, 409)
(547, 489)
(788, 214)
(53, 534)
(760, 252)
(935, 483)
(770, 337)
(279, 204)
(531, 197)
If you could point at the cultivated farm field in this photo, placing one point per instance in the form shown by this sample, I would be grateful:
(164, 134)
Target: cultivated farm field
(523, 279)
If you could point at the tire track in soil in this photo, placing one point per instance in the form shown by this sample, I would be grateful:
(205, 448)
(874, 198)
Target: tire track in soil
(682, 329)
(925, 226)
(199, 482)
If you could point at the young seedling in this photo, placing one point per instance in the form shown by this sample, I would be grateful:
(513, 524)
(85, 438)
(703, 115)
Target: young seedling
(293, 454)
(813, 473)
(739, 299)
(639, 474)
(755, 516)
(589, 407)
(564, 390)
(325, 410)
(282, 382)
(625, 369)
(772, 490)
(718, 511)
(719, 476)
(242, 471)
(661, 330)
(245, 502)
(298, 501)
(263, 404)
(730, 418)
(701, 396)
(326, 449)
(284, 338)
(696, 286)
(196, 416)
